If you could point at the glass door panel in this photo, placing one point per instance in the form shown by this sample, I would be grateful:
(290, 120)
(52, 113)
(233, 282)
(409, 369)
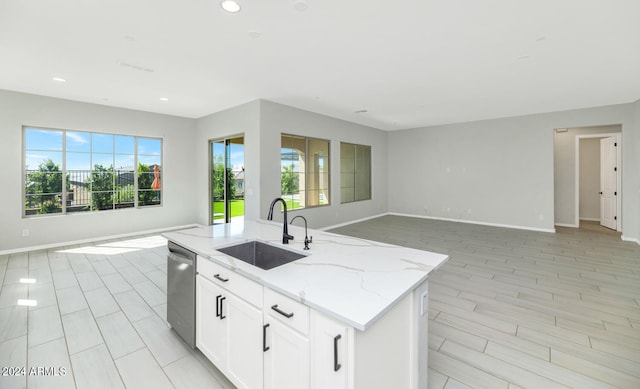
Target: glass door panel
(227, 180)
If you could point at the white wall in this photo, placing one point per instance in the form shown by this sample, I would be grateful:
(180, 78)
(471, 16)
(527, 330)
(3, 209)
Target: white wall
(502, 170)
(276, 119)
(634, 159)
(20, 109)
(243, 119)
(589, 179)
(565, 168)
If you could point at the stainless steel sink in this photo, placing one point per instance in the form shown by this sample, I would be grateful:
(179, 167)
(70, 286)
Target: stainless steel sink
(262, 255)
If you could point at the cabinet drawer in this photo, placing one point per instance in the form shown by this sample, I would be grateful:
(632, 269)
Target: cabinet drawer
(289, 311)
(231, 281)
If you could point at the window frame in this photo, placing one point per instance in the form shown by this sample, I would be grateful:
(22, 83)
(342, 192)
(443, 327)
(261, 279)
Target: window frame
(356, 147)
(64, 171)
(307, 172)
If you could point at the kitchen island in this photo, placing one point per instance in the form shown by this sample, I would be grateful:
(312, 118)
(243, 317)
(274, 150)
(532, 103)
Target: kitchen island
(351, 313)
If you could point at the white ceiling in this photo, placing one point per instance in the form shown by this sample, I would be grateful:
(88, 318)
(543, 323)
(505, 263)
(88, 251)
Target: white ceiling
(410, 63)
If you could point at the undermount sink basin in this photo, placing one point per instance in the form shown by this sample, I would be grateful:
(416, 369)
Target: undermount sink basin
(262, 255)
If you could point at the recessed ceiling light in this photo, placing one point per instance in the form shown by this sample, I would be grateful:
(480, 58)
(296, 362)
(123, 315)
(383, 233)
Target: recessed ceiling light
(164, 99)
(300, 5)
(58, 79)
(230, 6)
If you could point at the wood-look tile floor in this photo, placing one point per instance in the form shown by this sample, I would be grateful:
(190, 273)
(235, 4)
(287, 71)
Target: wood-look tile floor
(510, 309)
(522, 309)
(99, 321)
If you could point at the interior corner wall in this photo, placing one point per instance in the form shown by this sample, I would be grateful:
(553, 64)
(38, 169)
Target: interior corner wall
(564, 146)
(497, 171)
(242, 119)
(20, 109)
(276, 119)
(634, 160)
(589, 179)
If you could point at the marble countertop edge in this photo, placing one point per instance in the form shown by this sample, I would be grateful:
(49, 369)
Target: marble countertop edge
(389, 272)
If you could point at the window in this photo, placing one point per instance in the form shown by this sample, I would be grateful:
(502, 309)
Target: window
(304, 171)
(355, 172)
(74, 171)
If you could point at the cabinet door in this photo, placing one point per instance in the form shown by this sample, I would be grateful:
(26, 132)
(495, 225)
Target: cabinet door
(286, 362)
(244, 347)
(330, 353)
(211, 332)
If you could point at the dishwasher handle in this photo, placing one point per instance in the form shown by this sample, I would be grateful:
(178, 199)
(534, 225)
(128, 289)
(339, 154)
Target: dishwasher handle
(179, 258)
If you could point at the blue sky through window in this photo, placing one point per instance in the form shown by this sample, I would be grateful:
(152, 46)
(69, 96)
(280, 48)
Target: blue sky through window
(84, 150)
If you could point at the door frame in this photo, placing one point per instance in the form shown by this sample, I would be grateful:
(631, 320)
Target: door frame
(209, 172)
(618, 137)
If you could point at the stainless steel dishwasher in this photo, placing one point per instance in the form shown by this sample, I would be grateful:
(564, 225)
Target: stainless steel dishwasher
(181, 292)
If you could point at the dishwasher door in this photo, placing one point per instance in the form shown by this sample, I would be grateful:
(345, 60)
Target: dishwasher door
(181, 292)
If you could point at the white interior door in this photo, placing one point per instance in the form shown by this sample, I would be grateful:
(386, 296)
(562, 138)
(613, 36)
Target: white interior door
(608, 182)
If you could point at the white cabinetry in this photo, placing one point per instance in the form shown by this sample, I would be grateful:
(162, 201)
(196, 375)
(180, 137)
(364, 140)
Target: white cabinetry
(286, 361)
(211, 332)
(260, 339)
(331, 353)
(244, 356)
(228, 327)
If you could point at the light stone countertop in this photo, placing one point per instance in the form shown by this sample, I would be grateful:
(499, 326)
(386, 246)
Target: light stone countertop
(355, 281)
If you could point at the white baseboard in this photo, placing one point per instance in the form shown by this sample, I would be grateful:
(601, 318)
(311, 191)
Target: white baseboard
(628, 239)
(476, 222)
(352, 222)
(567, 225)
(590, 219)
(96, 239)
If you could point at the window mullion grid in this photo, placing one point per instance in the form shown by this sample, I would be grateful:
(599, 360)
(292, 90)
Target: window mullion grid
(306, 172)
(135, 172)
(63, 200)
(355, 172)
(24, 171)
(227, 217)
(91, 170)
(113, 172)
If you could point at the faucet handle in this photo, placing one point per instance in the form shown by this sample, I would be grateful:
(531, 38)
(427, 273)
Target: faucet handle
(286, 238)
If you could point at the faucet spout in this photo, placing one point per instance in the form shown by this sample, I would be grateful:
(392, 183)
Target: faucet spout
(307, 239)
(285, 230)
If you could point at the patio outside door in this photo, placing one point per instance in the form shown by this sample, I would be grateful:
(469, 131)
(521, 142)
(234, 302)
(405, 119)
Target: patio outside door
(227, 180)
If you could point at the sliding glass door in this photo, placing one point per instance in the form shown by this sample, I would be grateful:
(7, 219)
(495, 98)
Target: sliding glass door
(227, 180)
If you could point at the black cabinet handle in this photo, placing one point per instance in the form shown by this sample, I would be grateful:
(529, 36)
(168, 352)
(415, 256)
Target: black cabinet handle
(336, 365)
(283, 313)
(218, 305)
(264, 338)
(220, 278)
(222, 316)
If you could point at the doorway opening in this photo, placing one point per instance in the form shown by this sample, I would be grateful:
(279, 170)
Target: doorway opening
(226, 183)
(577, 173)
(598, 176)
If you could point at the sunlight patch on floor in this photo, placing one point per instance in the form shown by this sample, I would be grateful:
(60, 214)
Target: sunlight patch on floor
(120, 247)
